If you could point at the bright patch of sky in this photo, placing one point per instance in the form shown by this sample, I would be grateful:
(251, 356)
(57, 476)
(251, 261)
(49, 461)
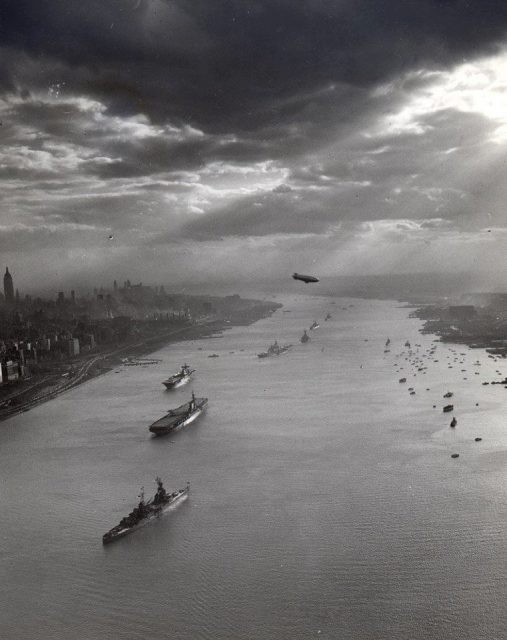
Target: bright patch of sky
(479, 87)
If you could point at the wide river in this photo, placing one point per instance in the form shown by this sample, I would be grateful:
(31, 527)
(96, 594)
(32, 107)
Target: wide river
(324, 502)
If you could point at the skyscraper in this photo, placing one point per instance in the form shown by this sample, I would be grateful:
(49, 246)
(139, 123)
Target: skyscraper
(8, 286)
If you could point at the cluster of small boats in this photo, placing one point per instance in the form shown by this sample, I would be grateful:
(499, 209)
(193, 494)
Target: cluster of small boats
(419, 359)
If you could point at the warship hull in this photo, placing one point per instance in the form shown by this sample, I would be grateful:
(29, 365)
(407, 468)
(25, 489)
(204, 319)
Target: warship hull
(120, 532)
(179, 418)
(171, 383)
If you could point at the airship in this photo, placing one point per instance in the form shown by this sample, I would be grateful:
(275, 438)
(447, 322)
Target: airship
(307, 279)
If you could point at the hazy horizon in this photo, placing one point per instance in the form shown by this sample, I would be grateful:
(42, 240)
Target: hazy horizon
(402, 286)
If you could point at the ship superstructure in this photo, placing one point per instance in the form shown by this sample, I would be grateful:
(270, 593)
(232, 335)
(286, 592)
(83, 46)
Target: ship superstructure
(180, 378)
(274, 350)
(146, 510)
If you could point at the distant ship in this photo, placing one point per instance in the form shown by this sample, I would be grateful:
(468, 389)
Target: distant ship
(305, 337)
(145, 511)
(274, 350)
(179, 417)
(180, 378)
(315, 325)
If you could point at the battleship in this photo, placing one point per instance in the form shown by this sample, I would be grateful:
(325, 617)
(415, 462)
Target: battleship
(179, 417)
(145, 511)
(180, 378)
(274, 350)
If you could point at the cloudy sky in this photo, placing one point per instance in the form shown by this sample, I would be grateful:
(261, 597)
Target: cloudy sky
(231, 139)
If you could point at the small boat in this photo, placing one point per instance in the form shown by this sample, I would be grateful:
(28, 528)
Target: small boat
(146, 511)
(180, 378)
(305, 337)
(388, 342)
(407, 344)
(448, 394)
(214, 355)
(454, 422)
(315, 325)
(402, 380)
(448, 407)
(328, 317)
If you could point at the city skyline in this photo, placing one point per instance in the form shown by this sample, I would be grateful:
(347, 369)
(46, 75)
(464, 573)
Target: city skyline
(12, 295)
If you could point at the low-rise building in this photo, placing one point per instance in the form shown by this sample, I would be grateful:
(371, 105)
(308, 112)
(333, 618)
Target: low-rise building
(73, 345)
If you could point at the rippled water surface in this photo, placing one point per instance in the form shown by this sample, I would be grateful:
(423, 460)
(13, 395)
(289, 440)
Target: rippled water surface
(324, 502)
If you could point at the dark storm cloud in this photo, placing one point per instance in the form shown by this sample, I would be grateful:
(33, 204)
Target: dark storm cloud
(232, 64)
(393, 176)
(292, 128)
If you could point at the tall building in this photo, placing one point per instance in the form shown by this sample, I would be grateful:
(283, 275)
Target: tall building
(8, 286)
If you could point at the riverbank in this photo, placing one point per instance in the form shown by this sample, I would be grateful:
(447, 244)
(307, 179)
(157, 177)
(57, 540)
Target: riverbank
(476, 327)
(31, 393)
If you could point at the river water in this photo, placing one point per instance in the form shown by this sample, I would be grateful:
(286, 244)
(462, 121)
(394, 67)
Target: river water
(324, 502)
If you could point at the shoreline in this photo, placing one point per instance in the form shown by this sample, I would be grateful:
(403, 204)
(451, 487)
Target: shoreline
(461, 331)
(98, 364)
